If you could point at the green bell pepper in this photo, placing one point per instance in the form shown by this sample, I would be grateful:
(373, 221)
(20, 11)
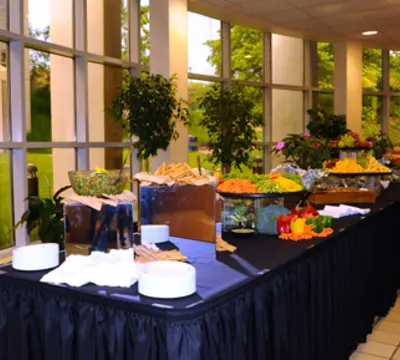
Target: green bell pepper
(327, 221)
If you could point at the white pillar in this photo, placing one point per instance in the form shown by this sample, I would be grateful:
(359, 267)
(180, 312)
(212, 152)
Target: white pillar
(168, 56)
(62, 92)
(104, 37)
(348, 83)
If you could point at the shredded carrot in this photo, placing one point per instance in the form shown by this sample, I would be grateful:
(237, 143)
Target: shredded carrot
(307, 234)
(237, 186)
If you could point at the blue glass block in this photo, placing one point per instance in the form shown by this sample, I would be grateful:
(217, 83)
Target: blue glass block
(91, 230)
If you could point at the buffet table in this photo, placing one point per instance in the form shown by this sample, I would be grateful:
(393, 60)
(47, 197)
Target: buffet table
(272, 299)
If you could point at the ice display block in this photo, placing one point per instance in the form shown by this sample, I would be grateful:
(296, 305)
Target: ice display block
(87, 229)
(189, 211)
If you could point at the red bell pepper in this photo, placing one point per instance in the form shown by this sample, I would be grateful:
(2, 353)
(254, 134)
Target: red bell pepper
(309, 210)
(283, 224)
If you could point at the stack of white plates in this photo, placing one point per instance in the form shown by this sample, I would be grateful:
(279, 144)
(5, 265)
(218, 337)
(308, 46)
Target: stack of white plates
(167, 279)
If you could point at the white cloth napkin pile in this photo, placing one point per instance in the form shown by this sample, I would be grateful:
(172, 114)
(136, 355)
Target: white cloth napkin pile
(116, 269)
(342, 210)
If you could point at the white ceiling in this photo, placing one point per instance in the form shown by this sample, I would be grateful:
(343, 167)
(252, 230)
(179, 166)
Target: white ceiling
(320, 19)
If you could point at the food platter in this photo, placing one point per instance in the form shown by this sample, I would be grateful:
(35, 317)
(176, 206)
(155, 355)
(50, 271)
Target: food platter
(360, 174)
(260, 195)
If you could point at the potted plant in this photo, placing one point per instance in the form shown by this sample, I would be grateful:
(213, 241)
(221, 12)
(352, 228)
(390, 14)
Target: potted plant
(304, 150)
(148, 110)
(231, 125)
(45, 218)
(324, 125)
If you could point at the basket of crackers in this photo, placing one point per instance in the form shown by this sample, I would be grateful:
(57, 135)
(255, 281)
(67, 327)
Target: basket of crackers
(179, 174)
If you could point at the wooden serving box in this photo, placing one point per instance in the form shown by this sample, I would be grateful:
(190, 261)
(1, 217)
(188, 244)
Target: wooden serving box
(348, 196)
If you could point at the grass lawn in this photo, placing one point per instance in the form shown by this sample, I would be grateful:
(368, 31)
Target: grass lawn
(45, 166)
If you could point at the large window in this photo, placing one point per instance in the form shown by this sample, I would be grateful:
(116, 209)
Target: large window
(55, 119)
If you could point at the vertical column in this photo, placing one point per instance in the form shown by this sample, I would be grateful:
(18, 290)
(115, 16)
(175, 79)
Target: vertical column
(267, 71)
(226, 52)
(386, 90)
(169, 55)
(18, 116)
(348, 83)
(62, 92)
(112, 79)
(104, 37)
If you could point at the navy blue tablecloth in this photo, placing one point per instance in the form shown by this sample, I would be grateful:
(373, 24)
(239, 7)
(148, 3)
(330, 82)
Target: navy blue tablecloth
(272, 299)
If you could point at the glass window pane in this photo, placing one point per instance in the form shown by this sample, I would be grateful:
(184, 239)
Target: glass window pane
(43, 160)
(50, 20)
(324, 101)
(198, 134)
(394, 120)
(107, 37)
(50, 115)
(287, 113)
(204, 45)
(4, 105)
(372, 107)
(394, 57)
(52, 168)
(246, 53)
(326, 65)
(6, 238)
(287, 60)
(197, 89)
(372, 69)
(144, 32)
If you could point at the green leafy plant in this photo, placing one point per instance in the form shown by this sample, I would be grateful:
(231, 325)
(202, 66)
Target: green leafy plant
(45, 218)
(304, 150)
(231, 124)
(325, 125)
(147, 108)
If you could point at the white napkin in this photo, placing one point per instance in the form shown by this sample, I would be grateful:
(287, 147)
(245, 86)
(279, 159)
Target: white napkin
(342, 210)
(117, 269)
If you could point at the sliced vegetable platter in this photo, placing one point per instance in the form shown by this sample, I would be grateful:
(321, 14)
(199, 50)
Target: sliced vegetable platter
(260, 186)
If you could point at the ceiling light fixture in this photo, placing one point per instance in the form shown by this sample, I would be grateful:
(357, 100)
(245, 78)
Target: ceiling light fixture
(369, 33)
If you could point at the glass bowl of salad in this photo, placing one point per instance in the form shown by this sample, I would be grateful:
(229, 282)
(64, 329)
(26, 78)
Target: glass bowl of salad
(98, 182)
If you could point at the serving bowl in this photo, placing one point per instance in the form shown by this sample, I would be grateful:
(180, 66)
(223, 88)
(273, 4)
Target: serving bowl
(97, 183)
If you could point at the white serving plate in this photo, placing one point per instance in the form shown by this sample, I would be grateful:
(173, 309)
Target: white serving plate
(36, 257)
(166, 279)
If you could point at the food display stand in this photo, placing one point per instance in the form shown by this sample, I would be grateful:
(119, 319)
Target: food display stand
(249, 205)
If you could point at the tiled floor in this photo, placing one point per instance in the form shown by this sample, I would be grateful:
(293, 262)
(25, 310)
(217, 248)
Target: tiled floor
(384, 342)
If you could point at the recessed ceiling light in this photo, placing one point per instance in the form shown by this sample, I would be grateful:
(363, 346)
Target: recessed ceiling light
(369, 33)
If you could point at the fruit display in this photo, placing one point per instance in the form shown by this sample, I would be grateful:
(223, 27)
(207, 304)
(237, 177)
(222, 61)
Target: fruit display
(352, 140)
(304, 224)
(363, 164)
(394, 157)
(256, 184)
